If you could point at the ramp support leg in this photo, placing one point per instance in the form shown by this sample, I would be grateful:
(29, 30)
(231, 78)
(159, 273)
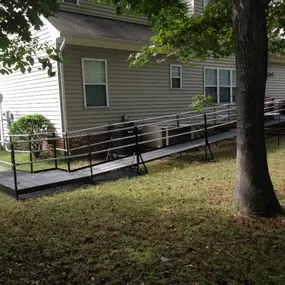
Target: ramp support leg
(90, 156)
(31, 156)
(229, 117)
(207, 145)
(279, 124)
(211, 152)
(13, 160)
(54, 152)
(111, 152)
(67, 152)
(138, 154)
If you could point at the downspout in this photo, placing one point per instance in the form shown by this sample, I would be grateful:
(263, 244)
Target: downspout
(1, 125)
(62, 90)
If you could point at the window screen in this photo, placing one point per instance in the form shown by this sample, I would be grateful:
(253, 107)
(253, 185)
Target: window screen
(176, 76)
(95, 83)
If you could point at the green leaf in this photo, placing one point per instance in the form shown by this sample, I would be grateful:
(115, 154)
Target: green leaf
(22, 69)
(49, 51)
(3, 71)
(201, 101)
(55, 57)
(65, 59)
(30, 60)
(41, 60)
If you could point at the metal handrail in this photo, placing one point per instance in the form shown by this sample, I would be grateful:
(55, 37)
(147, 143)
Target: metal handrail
(275, 101)
(142, 120)
(223, 116)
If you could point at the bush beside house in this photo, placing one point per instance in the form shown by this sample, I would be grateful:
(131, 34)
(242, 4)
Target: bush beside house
(34, 127)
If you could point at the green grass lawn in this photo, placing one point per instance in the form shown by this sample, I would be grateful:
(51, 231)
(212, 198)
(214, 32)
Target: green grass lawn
(175, 225)
(23, 158)
(42, 165)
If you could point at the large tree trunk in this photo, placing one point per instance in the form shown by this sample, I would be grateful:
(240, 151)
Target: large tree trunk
(254, 190)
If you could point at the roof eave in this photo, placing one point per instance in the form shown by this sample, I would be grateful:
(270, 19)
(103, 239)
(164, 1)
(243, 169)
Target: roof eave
(91, 41)
(272, 58)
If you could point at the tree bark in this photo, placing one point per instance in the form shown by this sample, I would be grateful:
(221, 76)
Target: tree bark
(254, 193)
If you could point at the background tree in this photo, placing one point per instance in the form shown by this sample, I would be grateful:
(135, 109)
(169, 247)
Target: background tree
(247, 29)
(18, 47)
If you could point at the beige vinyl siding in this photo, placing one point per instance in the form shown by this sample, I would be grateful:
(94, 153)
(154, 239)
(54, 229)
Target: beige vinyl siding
(136, 92)
(99, 9)
(140, 92)
(228, 62)
(190, 4)
(33, 92)
(276, 82)
(198, 7)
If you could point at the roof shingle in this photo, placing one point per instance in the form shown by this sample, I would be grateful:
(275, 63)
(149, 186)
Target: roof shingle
(72, 24)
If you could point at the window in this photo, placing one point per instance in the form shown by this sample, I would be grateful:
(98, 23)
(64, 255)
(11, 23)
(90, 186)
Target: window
(76, 2)
(175, 76)
(95, 82)
(220, 84)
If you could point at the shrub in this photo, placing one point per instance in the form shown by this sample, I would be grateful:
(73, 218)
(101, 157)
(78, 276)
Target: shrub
(200, 101)
(37, 126)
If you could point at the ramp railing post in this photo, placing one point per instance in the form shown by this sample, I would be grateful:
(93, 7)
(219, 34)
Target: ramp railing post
(278, 133)
(228, 117)
(31, 156)
(206, 136)
(67, 151)
(207, 145)
(177, 121)
(178, 126)
(54, 151)
(279, 108)
(90, 155)
(110, 152)
(14, 168)
(137, 147)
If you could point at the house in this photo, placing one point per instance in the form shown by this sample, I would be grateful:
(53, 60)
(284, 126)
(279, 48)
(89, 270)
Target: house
(97, 86)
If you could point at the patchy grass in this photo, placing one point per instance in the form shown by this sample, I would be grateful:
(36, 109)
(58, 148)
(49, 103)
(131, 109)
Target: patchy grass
(38, 165)
(173, 226)
(24, 158)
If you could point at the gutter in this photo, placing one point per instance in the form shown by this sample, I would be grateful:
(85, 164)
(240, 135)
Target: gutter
(104, 42)
(62, 90)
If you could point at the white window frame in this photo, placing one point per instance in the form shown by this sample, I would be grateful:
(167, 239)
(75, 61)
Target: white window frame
(171, 77)
(106, 83)
(77, 2)
(231, 86)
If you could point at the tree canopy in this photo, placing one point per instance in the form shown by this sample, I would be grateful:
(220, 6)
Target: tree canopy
(209, 34)
(18, 46)
(176, 32)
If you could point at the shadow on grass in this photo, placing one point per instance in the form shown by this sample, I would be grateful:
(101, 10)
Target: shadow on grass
(227, 150)
(159, 229)
(135, 237)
